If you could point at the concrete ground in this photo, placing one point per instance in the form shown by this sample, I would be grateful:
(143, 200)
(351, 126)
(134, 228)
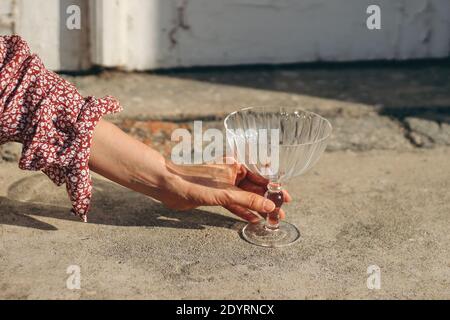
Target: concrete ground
(379, 196)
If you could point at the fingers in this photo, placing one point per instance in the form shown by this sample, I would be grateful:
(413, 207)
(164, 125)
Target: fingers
(243, 213)
(251, 187)
(287, 197)
(249, 215)
(282, 214)
(254, 182)
(242, 203)
(257, 179)
(248, 185)
(241, 173)
(248, 200)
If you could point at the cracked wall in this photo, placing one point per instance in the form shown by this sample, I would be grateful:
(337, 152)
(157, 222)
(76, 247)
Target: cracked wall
(216, 32)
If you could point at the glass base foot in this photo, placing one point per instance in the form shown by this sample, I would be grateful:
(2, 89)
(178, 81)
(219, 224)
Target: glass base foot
(257, 234)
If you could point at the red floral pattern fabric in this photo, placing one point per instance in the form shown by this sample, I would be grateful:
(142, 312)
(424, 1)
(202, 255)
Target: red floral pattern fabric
(50, 118)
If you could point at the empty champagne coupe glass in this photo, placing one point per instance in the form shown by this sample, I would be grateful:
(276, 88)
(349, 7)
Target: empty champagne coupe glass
(277, 143)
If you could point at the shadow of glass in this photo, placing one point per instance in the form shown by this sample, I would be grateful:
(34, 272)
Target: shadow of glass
(112, 205)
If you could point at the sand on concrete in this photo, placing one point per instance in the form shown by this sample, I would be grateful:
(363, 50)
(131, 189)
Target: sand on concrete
(384, 208)
(379, 196)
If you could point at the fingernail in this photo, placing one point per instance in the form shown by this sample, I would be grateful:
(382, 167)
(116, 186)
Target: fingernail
(269, 206)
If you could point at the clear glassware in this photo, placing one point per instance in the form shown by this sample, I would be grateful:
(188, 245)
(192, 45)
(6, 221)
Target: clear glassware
(302, 137)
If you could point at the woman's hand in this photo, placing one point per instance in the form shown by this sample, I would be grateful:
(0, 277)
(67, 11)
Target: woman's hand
(231, 186)
(127, 161)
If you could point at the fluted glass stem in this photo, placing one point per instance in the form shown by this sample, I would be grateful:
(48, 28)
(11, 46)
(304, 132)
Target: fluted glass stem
(275, 194)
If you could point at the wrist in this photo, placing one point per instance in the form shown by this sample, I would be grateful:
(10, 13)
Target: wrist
(151, 174)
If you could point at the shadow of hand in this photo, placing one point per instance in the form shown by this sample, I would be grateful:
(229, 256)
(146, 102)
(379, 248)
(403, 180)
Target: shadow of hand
(112, 205)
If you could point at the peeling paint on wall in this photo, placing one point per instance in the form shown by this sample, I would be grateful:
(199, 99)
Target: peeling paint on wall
(179, 23)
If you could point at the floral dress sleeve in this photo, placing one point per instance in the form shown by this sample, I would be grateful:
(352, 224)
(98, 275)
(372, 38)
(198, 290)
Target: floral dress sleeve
(50, 118)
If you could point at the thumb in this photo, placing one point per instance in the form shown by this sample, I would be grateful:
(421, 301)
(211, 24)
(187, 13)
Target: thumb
(249, 200)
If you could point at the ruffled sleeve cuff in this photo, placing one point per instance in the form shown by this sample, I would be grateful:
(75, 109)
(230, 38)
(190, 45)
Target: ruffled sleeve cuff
(51, 119)
(76, 174)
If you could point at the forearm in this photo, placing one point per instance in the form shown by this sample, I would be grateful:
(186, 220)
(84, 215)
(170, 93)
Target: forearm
(113, 153)
(127, 161)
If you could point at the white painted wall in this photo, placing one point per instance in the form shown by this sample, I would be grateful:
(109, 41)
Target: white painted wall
(6, 16)
(40, 27)
(150, 34)
(227, 32)
(42, 24)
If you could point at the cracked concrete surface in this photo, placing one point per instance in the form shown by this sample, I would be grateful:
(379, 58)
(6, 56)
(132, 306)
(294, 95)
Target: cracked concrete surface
(379, 196)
